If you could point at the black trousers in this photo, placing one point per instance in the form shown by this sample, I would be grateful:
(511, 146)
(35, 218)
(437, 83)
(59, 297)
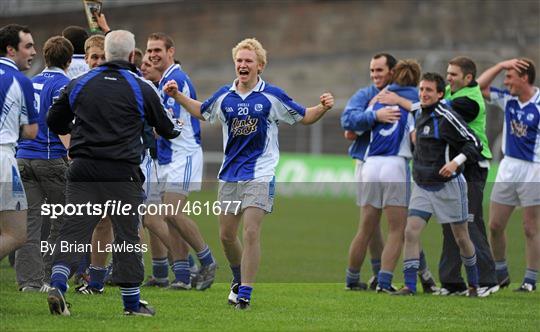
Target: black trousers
(450, 262)
(93, 183)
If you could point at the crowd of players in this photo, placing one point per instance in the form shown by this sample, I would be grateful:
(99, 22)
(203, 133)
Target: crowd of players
(130, 121)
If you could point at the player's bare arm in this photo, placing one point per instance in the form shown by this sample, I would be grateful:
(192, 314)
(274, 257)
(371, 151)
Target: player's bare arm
(313, 114)
(191, 105)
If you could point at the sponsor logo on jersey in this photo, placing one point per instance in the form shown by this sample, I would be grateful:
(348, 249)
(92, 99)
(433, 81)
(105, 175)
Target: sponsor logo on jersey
(244, 127)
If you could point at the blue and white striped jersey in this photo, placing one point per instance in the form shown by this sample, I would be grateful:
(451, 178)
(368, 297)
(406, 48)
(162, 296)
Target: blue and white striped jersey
(46, 145)
(250, 128)
(17, 100)
(189, 140)
(393, 139)
(521, 128)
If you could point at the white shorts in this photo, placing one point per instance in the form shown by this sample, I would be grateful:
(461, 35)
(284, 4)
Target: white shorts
(151, 184)
(448, 204)
(517, 183)
(12, 194)
(386, 181)
(253, 193)
(182, 175)
(358, 180)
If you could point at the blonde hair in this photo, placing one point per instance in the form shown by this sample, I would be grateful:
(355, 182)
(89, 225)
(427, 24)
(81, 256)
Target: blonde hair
(251, 44)
(94, 41)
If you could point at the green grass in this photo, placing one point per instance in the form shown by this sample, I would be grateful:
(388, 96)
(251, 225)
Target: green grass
(304, 256)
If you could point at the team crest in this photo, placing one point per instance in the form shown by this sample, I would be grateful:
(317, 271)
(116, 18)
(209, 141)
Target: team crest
(170, 102)
(530, 117)
(518, 128)
(426, 130)
(258, 107)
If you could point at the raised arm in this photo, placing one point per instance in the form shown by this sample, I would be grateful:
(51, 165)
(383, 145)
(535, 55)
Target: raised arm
(489, 75)
(313, 114)
(191, 105)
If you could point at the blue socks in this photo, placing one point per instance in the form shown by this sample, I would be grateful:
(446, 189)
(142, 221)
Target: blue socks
(97, 276)
(181, 271)
(59, 277)
(410, 272)
(375, 265)
(205, 256)
(530, 276)
(353, 277)
(471, 269)
(501, 269)
(131, 297)
(160, 268)
(385, 279)
(244, 293)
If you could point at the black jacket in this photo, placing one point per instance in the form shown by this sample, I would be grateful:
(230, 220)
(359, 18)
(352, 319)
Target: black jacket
(109, 104)
(441, 134)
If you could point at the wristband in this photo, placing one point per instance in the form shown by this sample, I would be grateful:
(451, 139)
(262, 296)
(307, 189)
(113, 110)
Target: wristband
(460, 159)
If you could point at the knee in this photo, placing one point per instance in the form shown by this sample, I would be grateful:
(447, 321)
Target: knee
(103, 226)
(227, 237)
(461, 240)
(20, 240)
(251, 235)
(411, 234)
(496, 227)
(530, 228)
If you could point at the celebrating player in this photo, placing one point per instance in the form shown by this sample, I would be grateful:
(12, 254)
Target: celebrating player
(249, 110)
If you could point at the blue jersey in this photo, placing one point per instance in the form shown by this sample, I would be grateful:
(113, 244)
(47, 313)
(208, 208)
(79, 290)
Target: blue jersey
(189, 140)
(17, 101)
(46, 145)
(393, 139)
(250, 128)
(357, 118)
(521, 128)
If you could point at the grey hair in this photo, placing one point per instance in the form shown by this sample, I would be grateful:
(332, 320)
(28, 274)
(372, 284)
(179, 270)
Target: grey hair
(118, 45)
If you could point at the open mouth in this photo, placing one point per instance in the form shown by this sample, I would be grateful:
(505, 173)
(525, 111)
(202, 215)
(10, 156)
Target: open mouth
(155, 60)
(243, 73)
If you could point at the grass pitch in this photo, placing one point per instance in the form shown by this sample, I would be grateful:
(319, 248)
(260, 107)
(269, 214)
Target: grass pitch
(300, 286)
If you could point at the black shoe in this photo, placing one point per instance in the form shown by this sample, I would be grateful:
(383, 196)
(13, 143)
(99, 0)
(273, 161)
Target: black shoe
(504, 282)
(526, 288)
(87, 290)
(389, 290)
(373, 282)
(144, 310)
(405, 291)
(357, 286)
(233, 294)
(153, 282)
(57, 303)
(428, 284)
(243, 304)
